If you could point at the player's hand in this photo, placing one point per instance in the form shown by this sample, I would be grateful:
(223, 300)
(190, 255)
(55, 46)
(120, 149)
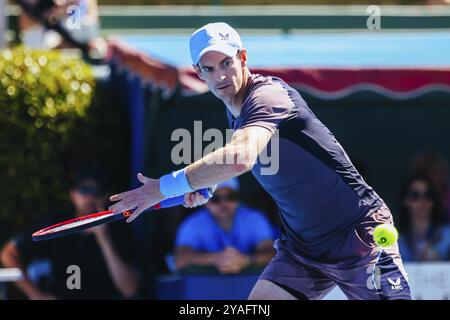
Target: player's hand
(140, 198)
(194, 199)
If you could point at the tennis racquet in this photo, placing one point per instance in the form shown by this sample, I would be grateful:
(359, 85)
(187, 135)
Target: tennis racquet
(82, 223)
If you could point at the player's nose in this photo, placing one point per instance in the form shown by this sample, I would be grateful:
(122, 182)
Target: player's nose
(220, 77)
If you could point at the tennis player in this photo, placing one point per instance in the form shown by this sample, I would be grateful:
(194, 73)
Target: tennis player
(327, 209)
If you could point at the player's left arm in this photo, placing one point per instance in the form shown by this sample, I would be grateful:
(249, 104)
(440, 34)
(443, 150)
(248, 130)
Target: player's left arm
(235, 158)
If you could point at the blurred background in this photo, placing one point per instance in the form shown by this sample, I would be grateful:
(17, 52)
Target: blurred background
(75, 128)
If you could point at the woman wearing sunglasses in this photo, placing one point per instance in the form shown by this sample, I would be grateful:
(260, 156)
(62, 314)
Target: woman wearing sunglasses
(423, 235)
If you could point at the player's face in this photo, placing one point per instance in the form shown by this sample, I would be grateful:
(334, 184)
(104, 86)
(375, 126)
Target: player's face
(419, 200)
(86, 197)
(223, 204)
(224, 75)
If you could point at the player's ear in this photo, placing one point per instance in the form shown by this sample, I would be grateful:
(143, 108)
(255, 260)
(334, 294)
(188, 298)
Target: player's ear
(199, 73)
(243, 57)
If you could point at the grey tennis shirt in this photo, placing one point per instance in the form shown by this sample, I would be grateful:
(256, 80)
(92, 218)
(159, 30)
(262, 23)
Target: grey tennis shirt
(319, 192)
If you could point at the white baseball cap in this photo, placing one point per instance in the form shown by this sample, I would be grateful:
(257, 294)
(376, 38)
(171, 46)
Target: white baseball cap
(217, 36)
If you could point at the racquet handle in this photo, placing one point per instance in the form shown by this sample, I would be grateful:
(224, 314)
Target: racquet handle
(176, 201)
(166, 203)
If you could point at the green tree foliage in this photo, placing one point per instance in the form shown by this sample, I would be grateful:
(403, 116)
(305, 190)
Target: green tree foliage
(51, 119)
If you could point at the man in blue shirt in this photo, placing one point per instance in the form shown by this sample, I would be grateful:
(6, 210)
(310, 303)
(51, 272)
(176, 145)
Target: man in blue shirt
(328, 211)
(219, 235)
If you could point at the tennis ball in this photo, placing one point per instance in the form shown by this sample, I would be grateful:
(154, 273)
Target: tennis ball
(385, 235)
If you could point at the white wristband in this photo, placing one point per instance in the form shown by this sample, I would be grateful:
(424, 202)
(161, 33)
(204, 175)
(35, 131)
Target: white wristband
(174, 184)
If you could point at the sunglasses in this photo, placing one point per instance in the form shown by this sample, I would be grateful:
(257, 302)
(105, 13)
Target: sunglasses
(87, 190)
(226, 197)
(415, 195)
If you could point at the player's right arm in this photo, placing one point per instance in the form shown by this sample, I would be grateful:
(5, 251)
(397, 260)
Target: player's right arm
(235, 158)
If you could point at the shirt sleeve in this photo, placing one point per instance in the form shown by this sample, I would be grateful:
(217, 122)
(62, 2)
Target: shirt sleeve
(266, 107)
(188, 236)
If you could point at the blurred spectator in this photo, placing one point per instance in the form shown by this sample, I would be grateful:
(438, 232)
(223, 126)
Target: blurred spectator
(80, 18)
(225, 234)
(105, 254)
(435, 166)
(423, 236)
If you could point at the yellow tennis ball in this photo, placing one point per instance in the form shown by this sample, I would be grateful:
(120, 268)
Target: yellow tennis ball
(385, 235)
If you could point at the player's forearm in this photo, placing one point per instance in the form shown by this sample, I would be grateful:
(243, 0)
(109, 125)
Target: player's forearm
(235, 158)
(221, 165)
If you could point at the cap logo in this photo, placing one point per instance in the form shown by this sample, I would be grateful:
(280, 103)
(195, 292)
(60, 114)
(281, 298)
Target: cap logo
(224, 37)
